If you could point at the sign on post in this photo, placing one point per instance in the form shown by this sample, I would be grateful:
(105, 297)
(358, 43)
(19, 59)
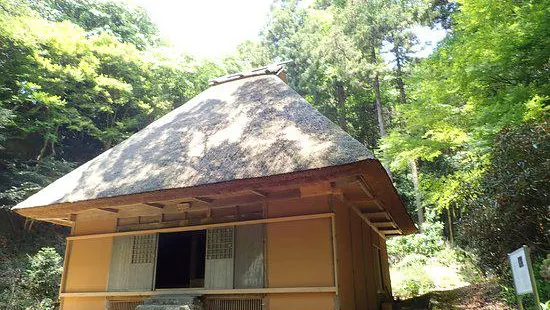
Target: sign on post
(522, 271)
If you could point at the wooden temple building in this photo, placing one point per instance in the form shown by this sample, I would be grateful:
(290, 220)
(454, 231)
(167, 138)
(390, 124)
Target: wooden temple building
(244, 198)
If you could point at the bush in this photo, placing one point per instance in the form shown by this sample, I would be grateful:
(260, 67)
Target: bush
(427, 243)
(31, 283)
(41, 279)
(511, 205)
(409, 278)
(425, 261)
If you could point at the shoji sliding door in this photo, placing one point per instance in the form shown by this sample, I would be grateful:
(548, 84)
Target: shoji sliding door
(249, 256)
(220, 250)
(133, 263)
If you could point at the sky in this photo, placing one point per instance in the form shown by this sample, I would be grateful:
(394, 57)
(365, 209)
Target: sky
(207, 28)
(213, 28)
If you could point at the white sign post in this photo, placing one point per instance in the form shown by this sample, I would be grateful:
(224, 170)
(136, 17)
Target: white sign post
(522, 271)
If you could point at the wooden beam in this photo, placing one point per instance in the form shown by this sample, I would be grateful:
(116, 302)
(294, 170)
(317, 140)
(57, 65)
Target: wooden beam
(221, 188)
(348, 180)
(259, 193)
(391, 232)
(388, 215)
(68, 248)
(383, 224)
(316, 189)
(204, 226)
(62, 222)
(110, 210)
(334, 252)
(253, 199)
(203, 199)
(361, 200)
(270, 290)
(380, 205)
(376, 214)
(365, 187)
(178, 207)
(155, 205)
(368, 222)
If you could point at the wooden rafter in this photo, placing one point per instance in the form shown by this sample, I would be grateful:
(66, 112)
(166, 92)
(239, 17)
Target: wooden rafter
(155, 205)
(383, 224)
(206, 226)
(376, 214)
(204, 199)
(259, 193)
(110, 210)
(364, 186)
(367, 221)
(391, 232)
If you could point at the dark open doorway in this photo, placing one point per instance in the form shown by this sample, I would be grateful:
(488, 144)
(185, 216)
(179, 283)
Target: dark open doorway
(180, 260)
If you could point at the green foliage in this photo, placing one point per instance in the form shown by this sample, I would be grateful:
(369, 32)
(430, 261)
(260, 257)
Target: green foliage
(511, 207)
(23, 178)
(545, 268)
(425, 244)
(489, 74)
(41, 279)
(543, 285)
(127, 24)
(69, 93)
(33, 283)
(415, 281)
(77, 78)
(424, 262)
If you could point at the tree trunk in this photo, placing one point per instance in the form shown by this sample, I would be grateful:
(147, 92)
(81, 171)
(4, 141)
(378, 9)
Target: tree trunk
(378, 102)
(450, 224)
(341, 99)
(417, 199)
(399, 75)
(43, 149)
(413, 163)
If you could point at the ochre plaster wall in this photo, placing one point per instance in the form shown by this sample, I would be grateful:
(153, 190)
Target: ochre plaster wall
(84, 303)
(356, 266)
(346, 284)
(87, 269)
(309, 301)
(308, 205)
(299, 254)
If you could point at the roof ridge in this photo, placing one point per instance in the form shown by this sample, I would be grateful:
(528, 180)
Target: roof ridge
(275, 69)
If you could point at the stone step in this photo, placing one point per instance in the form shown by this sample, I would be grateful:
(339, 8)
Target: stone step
(172, 302)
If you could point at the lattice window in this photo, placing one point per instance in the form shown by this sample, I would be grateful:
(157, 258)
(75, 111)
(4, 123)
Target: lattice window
(219, 243)
(143, 249)
(234, 303)
(124, 305)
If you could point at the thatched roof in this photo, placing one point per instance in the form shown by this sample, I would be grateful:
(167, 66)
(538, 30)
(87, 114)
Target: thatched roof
(255, 126)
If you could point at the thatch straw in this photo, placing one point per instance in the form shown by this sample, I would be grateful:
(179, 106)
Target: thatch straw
(251, 127)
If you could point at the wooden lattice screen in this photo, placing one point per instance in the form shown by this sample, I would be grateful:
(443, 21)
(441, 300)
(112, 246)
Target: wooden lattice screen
(234, 303)
(143, 249)
(220, 243)
(124, 305)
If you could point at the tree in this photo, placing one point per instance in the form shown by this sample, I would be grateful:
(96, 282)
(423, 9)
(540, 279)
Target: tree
(127, 24)
(68, 94)
(487, 75)
(511, 207)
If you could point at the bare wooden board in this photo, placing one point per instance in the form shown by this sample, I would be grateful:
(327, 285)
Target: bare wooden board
(249, 256)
